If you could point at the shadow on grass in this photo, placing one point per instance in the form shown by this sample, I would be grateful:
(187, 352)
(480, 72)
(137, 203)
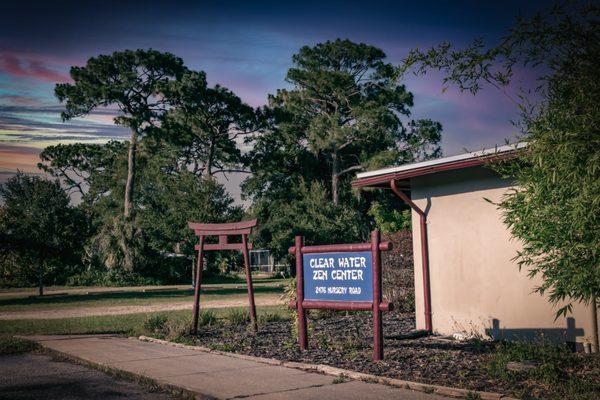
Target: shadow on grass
(163, 294)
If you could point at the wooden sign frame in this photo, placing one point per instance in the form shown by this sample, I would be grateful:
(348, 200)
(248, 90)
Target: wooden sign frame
(376, 304)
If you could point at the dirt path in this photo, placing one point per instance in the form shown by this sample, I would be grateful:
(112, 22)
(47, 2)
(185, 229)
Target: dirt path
(62, 291)
(263, 300)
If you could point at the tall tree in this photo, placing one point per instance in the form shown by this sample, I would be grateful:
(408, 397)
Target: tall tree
(134, 82)
(37, 223)
(347, 104)
(555, 209)
(85, 170)
(345, 112)
(208, 123)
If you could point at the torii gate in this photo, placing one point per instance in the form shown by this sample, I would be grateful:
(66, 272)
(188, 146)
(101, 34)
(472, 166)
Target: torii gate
(242, 228)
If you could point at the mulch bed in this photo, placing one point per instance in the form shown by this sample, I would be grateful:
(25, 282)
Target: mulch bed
(345, 341)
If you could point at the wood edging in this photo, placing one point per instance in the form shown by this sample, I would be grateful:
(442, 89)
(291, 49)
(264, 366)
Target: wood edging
(344, 373)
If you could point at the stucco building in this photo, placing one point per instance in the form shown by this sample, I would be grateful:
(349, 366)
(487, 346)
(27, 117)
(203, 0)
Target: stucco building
(472, 284)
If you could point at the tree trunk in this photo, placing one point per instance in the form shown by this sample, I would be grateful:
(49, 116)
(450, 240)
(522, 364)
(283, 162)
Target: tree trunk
(209, 161)
(40, 278)
(130, 175)
(335, 178)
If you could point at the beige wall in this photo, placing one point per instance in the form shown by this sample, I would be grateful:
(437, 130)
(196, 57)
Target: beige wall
(473, 279)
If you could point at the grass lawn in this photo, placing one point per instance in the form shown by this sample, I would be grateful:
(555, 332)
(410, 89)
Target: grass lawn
(128, 324)
(132, 298)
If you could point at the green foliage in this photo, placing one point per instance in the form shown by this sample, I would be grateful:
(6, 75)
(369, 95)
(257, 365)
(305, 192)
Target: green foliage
(114, 277)
(40, 234)
(390, 219)
(87, 170)
(170, 200)
(346, 111)
(347, 103)
(206, 123)
(555, 208)
(120, 245)
(133, 80)
(307, 212)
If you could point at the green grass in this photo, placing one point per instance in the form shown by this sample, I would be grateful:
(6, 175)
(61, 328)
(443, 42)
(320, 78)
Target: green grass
(128, 324)
(13, 345)
(132, 298)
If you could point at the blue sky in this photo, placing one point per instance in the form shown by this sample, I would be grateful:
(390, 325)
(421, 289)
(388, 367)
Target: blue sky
(245, 46)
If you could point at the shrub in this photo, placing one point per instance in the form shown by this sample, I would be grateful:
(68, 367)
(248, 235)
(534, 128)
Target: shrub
(398, 271)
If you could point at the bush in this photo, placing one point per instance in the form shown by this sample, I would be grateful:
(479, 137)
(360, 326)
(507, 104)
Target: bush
(398, 279)
(100, 277)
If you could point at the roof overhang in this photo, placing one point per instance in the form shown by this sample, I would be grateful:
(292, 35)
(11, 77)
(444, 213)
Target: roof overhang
(403, 173)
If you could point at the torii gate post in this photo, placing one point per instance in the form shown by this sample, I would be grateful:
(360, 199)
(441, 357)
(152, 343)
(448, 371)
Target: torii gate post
(243, 228)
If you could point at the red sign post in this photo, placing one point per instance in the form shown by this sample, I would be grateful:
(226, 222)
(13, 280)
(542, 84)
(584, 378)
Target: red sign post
(223, 231)
(340, 277)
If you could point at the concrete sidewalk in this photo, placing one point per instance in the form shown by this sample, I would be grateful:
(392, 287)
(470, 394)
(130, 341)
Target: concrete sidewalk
(216, 376)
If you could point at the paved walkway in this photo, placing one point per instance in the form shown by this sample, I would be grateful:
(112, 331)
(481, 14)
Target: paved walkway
(217, 376)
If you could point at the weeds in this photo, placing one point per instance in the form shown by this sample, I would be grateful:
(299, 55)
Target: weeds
(155, 325)
(556, 368)
(207, 318)
(322, 340)
(13, 345)
(340, 379)
(237, 317)
(270, 317)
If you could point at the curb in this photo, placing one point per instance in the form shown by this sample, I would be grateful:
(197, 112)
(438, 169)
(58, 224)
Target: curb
(344, 373)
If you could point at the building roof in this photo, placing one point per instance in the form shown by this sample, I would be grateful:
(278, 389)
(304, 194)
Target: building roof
(382, 177)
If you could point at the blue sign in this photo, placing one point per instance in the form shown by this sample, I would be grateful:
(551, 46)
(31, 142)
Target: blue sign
(344, 276)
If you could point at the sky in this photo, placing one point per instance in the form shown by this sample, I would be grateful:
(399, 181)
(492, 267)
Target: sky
(244, 45)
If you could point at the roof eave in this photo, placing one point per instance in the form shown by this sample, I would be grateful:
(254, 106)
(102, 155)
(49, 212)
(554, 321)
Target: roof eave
(384, 179)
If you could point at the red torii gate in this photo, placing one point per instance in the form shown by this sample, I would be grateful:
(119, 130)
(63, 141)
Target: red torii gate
(242, 228)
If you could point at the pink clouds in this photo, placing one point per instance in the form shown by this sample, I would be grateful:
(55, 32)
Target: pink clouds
(29, 67)
(19, 100)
